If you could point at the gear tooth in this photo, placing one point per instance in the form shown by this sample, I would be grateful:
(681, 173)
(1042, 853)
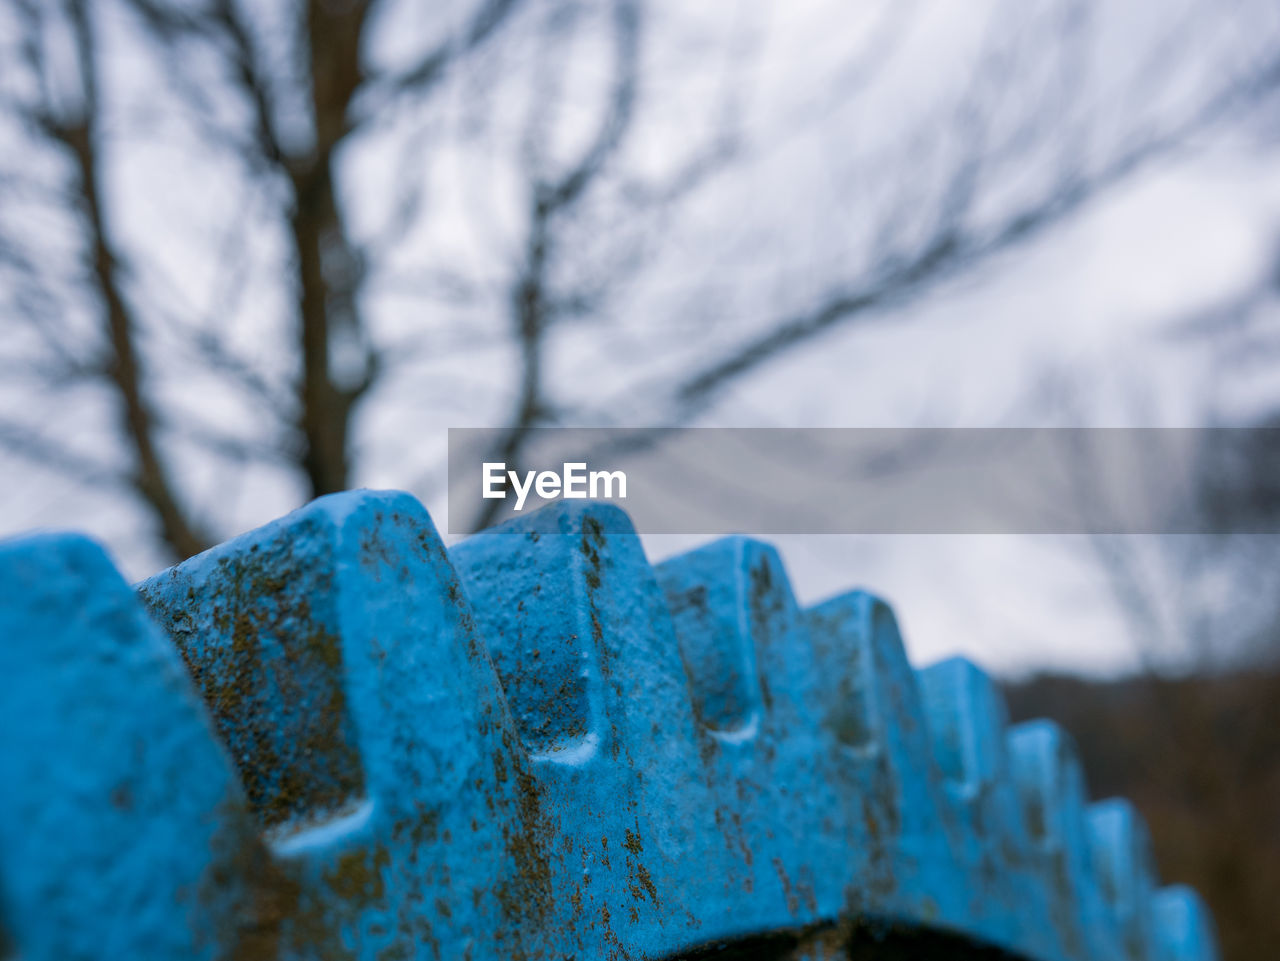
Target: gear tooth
(1050, 783)
(967, 717)
(871, 702)
(525, 582)
(724, 604)
(752, 672)
(1183, 925)
(580, 635)
(344, 672)
(115, 790)
(865, 671)
(968, 721)
(579, 632)
(1124, 867)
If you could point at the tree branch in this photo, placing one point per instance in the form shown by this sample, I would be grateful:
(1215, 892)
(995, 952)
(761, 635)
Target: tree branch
(532, 304)
(952, 248)
(78, 135)
(20, 440)
(432, 66)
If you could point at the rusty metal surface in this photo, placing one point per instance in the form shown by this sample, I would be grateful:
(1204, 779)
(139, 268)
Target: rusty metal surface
(331, 738)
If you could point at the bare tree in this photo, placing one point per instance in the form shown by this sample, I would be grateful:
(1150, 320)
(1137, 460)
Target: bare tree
(568, 201)
(320, 93)
(940, 222)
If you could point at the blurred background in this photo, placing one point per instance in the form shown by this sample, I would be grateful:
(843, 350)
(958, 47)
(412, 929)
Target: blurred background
(254, 252)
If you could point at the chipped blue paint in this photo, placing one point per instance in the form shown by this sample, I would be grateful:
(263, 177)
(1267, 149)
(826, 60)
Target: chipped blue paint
(330, 738)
